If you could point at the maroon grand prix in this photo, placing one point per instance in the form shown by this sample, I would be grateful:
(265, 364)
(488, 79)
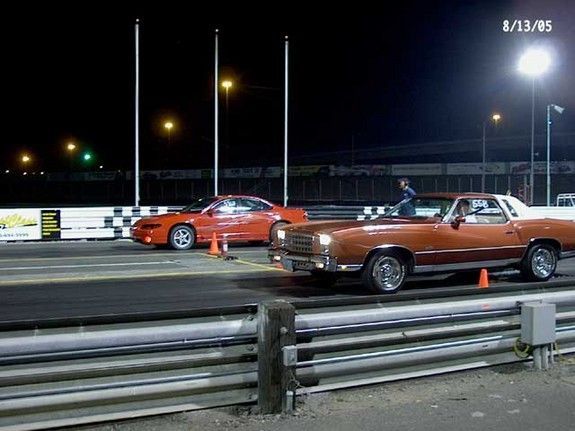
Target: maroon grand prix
(428, 234)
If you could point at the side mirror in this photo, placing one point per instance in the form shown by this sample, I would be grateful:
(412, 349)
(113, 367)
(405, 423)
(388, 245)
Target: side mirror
(457, 221)
(210, 212)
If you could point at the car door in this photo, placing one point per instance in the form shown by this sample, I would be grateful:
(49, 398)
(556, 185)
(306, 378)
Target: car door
(256, 219)
(223, 219)
(484, 238)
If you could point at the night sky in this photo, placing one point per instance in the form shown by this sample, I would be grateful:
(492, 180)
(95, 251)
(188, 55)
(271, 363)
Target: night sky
(420, 72)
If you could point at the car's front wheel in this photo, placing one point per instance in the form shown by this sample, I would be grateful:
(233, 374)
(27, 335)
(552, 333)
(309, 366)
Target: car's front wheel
(385, 272)
(182, 237)
(540, 263)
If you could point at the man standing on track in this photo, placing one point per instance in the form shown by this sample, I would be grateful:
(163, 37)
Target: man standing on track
(406, 193)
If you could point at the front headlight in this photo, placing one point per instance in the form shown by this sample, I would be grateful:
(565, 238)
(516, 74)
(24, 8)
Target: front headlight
(281, 234)
(324, 239)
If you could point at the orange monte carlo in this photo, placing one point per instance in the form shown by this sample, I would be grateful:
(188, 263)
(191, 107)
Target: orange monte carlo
(235, 218)
(429, 233)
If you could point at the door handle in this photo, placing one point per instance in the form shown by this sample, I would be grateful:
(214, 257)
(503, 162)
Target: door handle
(510, 232)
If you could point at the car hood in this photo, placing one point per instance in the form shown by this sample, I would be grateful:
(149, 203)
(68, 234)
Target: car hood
(331, 227)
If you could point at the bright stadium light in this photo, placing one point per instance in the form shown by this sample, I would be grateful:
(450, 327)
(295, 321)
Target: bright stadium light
(534, 62)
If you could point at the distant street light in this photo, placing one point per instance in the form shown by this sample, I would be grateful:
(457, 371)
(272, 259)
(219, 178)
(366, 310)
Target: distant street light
(168, 125)
(227, 84)
(495, 118)
(534, 62)
(71, 148)
(87, 157)
(559, 110)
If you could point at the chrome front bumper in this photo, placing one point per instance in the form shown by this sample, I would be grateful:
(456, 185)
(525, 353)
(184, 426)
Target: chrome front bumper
(313, 262)
(296, 262)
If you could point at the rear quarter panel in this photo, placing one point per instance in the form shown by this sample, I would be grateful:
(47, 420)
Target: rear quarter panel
(561, 230)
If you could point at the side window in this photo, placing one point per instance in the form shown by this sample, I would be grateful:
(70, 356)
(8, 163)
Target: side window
(510, 208)
(229, 206)
(249, 205)
(487, 211)
(479, 211)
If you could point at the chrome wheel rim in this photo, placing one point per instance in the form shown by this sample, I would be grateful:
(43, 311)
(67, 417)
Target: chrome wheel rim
(543, 262)
(182, 238)
(388, 273)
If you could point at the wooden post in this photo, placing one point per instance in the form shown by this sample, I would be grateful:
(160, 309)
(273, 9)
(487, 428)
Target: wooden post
(276, 329)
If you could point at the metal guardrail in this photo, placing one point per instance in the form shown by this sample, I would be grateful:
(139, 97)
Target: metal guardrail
(63, 376)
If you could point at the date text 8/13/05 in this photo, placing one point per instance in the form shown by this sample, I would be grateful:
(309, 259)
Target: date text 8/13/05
(527, 26)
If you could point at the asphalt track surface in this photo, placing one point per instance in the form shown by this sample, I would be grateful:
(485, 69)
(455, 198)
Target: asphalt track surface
(87, 278)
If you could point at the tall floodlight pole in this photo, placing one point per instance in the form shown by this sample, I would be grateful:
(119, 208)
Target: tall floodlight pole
(495, 118)
(286, 98)
(534, 62)
(560, 110)
(532, 163)
(483, 158)
(137, 118)
(216, 114)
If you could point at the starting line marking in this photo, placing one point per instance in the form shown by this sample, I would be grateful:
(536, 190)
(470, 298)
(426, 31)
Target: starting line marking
(124, 277)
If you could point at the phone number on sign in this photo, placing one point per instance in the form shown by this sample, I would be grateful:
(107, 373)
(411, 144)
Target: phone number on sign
(527, 26)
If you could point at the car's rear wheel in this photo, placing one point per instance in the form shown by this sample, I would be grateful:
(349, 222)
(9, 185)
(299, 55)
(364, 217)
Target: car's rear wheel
(540, 263)
(182, 237)
(385, 272)
(275, 227)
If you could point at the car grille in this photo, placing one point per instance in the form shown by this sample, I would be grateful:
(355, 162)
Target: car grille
(299, 243)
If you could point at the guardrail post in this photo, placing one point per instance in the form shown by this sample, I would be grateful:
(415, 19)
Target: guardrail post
(538, 320)
(276, 329)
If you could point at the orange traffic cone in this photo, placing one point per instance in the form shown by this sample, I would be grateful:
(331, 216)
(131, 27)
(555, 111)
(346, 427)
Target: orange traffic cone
(214, 250)
(483, 279)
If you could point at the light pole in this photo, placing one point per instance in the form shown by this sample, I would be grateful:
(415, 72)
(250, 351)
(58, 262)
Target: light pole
(227, 84)
(495, 118)
(26, 160)
(533, 63)
(560, 110)
(168, 125)
(71, 147)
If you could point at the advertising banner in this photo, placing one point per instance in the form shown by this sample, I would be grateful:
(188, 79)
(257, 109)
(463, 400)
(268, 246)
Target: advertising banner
(475, 168)
(358, 170)
(51, 227)
(20, 224)
(242, 173)
(308, 171)
(522, 168)
(416, 169)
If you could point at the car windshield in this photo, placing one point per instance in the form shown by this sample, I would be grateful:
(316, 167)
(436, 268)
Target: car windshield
(421, 207)
(200, 204)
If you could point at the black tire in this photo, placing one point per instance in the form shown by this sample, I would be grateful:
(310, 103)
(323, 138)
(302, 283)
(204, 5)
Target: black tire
(277, 225)
(182, 237)
(396, 273)
(323, 279)
(540, 263)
